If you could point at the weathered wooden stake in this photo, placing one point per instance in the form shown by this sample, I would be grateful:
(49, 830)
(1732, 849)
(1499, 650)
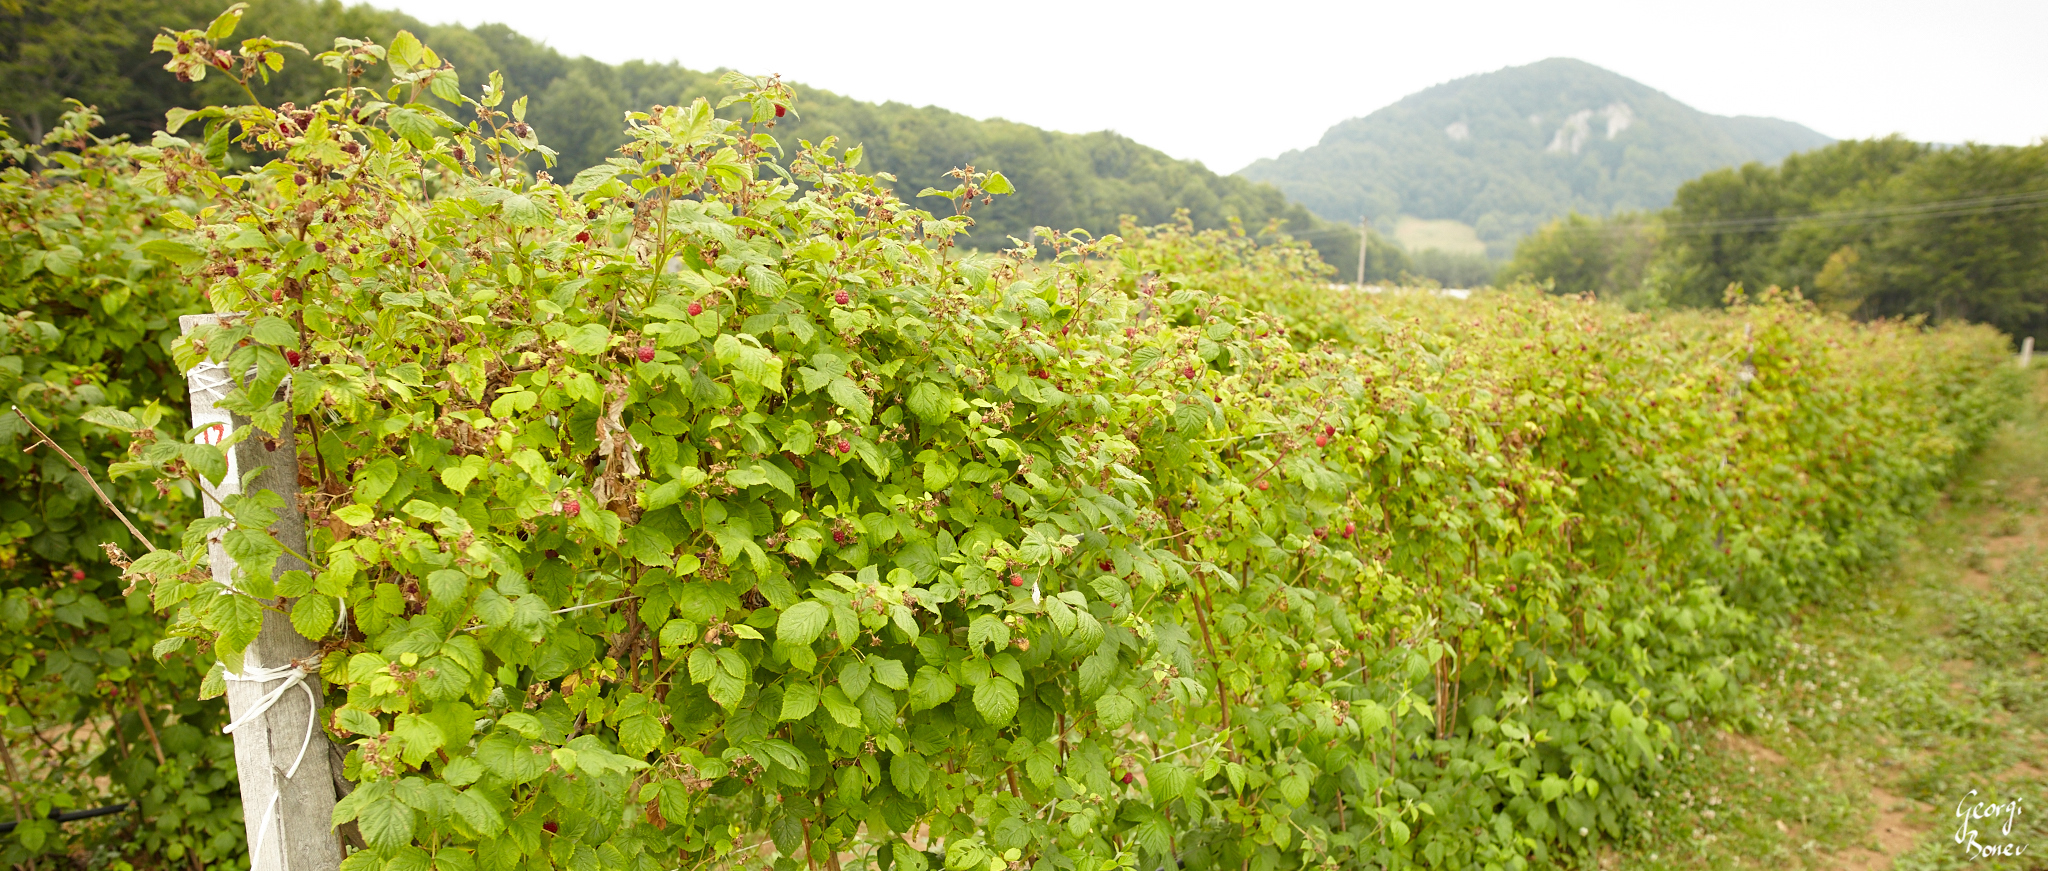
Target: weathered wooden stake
(2027, 352)
(288, 818)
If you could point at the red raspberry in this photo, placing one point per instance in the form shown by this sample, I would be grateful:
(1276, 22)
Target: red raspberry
(1016, 580)
(78, 574)
(1329, 430)
(1322, 440)
(646, 353)
(293, 358)
(319, 247)
(1127, 777)
(1350, 528)
(841, 297)
(1263, 485)
(779, 110)
(1105, 565)
(571, 508)
(583, 237)
(696, 308)
(843, 446)
(299, 178)
(551, 827)
(839, 536)
(277, 294)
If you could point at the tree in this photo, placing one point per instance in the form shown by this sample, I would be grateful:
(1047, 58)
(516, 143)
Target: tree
(1578, 254)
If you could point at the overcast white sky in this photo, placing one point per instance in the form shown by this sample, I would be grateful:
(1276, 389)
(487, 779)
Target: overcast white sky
(1226, 83)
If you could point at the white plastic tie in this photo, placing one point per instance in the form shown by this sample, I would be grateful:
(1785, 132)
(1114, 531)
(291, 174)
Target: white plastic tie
(294, 674)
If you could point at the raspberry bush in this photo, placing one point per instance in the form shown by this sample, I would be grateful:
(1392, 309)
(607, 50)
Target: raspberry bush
(713, 507)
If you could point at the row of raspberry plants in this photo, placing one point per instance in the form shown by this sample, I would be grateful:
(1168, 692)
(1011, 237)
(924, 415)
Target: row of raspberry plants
(713, 506)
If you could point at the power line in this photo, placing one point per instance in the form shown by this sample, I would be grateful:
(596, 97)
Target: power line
(1981, 205)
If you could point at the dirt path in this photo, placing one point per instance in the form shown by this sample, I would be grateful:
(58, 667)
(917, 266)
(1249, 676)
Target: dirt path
(1882, 712)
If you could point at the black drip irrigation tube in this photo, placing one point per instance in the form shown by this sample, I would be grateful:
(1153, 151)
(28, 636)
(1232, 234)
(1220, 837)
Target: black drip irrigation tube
(68, 816)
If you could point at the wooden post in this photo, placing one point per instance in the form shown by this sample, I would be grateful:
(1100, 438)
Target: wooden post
(2027, 352)
(1364, 240)
(289, 819)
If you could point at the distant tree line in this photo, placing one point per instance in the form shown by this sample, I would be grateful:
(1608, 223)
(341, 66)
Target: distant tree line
(1870, 228)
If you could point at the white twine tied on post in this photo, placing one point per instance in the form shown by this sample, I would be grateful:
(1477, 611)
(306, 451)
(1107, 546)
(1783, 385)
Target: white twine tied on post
(294, 674)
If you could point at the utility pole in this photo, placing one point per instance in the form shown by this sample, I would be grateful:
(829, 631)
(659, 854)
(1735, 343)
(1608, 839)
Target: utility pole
(1364, 238)
(282, 756)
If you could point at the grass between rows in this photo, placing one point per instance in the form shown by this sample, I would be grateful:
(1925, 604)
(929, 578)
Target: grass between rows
(1881, 711)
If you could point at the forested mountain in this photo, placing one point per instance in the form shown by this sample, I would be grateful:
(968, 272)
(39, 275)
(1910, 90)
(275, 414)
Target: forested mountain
(98, 51)
(1507, 150)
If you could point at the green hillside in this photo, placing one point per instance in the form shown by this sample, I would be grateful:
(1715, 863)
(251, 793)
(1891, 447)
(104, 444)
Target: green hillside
(1506, 151)
(98, 51)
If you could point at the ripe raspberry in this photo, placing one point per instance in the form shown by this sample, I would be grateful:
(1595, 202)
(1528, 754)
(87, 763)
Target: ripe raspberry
(583, 237)
(843, 446)
(1187, 371)
(1127, 777)
(696, 308)
(277, 294)
(1263, 485)
(1106, 565)
(551, 827)
(646, 353)
(299, 178)
(231, 270)
(78, 574)
(1329, 430)
(1322, 440)
(779, 110)
(571, 508)
(1016, 580)
(319, 247)
(839, 536)
(293, 357)
(841, 297)
(1350, 528)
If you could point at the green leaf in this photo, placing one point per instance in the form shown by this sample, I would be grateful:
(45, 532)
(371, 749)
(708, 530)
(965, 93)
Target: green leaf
(413, 126)
(1114, 710)
(803, 622)
(987, 629)
(375, 480)
(355, 515)
(997, 184)
(929, 402)
(383, 819)
(849, 396)
(223, 25)
(112, 418)
(840, 707)
(478, 812)
(207, 460)
(889, 673)
(273, 330)
(930, 689)
(313, 616)
(909, 773)
(798, 701)
(588, 340)
(996, 699)
(855, 677)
